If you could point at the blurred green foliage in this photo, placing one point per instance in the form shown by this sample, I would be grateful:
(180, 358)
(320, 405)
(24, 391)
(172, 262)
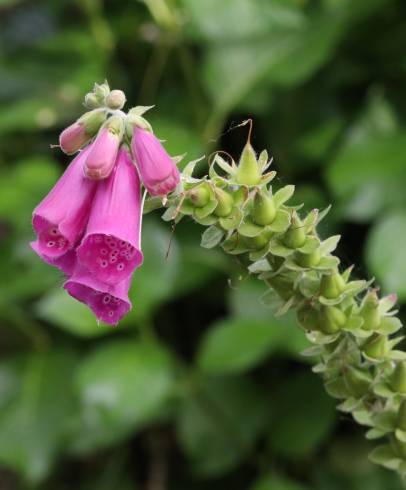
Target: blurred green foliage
(199, 387)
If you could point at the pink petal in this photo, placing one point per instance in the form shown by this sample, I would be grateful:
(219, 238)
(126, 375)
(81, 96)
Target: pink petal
(66, 263)
(102, 156)
(111, 246)
(60, 219)
(108, 303)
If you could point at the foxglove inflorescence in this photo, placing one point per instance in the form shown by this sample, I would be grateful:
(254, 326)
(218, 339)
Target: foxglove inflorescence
(89, 225)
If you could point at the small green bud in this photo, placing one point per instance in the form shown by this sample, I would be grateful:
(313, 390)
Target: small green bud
(377, 347)
(332, 285)
(308, 260)
(370, 312)
(248, 172)
(92, 121)
(224, 203)
(295, 237)
(398, 378)
(256, 242)
(401, 418)
(101, 92)
(199, 196)
(357, 381)
(91, 101)
(115, 99)
(263, 210)
(332, 319)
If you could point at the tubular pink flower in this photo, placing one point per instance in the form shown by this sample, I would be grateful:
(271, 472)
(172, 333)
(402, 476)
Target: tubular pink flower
(158, 172)
(66, 263)
(108, 303)
(110, 249)
(102, 156)
(60, 218)
(73, 137)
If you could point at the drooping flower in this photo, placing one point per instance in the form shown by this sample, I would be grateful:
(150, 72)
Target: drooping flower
(158, 172)
(66, 263)
(60, 218)
(108, 302)
(102, 156)
(110, 249)
(81, 131)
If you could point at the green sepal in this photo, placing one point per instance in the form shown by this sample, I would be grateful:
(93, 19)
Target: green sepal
(249, 229)
(357, 381)
(233, 220)
(281, 222)
(277, 248)
(386, 456)
(283, 195)
(201, 213)
(211, 237)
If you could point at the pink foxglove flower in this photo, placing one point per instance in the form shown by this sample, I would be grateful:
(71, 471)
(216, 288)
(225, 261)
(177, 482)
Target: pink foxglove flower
(158, 172)
(60, 219)
(108, 303)
(110, 249)
(102, 156)
(66, 263)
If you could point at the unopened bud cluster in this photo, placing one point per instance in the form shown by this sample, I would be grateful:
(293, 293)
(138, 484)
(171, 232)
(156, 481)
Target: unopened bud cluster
(353, 338)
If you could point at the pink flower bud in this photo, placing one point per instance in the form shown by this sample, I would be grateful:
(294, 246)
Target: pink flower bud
(158, 172)
(103, 154)
(73, 138)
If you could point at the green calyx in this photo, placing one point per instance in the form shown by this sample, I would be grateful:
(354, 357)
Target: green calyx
(92, 121)
(263, 209)
(115, 125)
(398, 379)
(357, 381)
(199, 196)
(248, 171)
(370, 312)
(225, 203)
(332, 319)
(295, 237)
(332, 285)
(308, 260)
(377, 347)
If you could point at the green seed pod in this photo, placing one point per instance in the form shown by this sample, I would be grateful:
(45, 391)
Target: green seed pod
(377, 347)
(332, 319)
(263, 210)
(357, 381)
(224, 203)
(332, 285)
(401, 418)
(240, 195)
(295, 237)
(199, 196)
(248, 172)
(370, 312)
(398, 378)
(308, 260)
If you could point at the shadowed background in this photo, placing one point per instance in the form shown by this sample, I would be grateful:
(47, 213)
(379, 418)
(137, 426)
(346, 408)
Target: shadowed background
(199, 387)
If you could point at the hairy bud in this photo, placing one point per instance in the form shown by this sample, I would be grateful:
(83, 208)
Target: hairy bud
(115, 99)
(377, 347)
(332, 319)
(370, 311)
